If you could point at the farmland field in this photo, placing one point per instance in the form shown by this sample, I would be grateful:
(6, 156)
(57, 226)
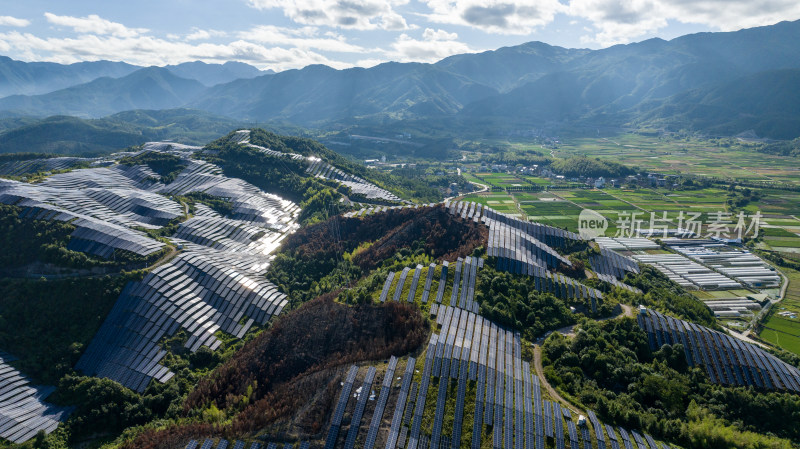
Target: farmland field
(675, 156)
(780, 331)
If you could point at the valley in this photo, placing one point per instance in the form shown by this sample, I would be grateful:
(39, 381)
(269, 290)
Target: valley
(356, 225)
(256, 242)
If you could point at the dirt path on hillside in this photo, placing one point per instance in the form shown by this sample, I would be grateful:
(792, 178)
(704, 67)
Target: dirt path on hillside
(537, 363)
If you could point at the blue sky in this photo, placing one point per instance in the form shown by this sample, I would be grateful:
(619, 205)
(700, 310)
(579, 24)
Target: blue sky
(287, 34)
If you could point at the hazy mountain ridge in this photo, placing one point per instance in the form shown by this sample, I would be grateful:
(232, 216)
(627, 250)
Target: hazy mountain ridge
(649, 83)
(37, 78)
(148, 88)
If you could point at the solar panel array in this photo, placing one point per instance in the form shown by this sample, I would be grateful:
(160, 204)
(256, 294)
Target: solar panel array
(249, 203)
(229, 235)
(338, 414)
(549, 235)
(104, 239)
(215, 283)
(358, 186)
(361, 403)
(380, 406)
(104, 217)
(513, 246)
(85, 203)
(462, 286)
(727, 360)
(23, 412)
(508, 396)
(201, 291)
(400, 405)
(613, 264)
(21, 168)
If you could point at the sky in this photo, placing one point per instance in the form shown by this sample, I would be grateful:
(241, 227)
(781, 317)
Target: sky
(291, 34)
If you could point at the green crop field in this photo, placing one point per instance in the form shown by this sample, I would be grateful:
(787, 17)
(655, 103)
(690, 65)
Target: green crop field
(675, 156)
(783, 332)
(780, 331)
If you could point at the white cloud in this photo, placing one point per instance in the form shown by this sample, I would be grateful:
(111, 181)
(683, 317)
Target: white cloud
(495, 16)
(435, 45)
(304, 38)
(203, 35)
(621, 22)
(148, 50)
(349, 14)
(730, 15)
(438, 35)
(94, 24)
(13, 22)
(370, 62)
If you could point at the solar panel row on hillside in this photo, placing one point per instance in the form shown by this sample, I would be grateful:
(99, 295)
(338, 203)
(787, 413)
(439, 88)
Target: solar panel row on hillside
(361, 404)
(359, 187)
(21, 168)
(727, 360)
(201, 291)
(23, 412)
(613, 264)
(341, 404)
(380, 406)
(400, 405)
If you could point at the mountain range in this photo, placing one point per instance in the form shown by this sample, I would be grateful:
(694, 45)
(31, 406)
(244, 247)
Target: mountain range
(718, 83)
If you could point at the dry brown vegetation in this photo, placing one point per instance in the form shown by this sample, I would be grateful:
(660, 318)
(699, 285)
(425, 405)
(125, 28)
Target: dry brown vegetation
(445, 236)
(290, 373)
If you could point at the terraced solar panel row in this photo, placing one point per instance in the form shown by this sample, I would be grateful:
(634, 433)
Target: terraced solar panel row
(386, 286)
(126, 205)
(587, 438)
(103, 239)
(442, 282)
(398, 289)
(626, 441)
(468, 279)
(20, 168)
(358, 186)
(598, 429)
(228, 234)
(726, 360)
(341, 404)
(549, 235)
(613, 281)
(23, 412)
(361, 404)
(394, 430)
(113, 177)
(514, 246)
(438, 417)
(248, 202)
(423, 392)
(613, 264)
(380, 406)
(426, 291)
(456, 282)
(201, 291)
(412, 291)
